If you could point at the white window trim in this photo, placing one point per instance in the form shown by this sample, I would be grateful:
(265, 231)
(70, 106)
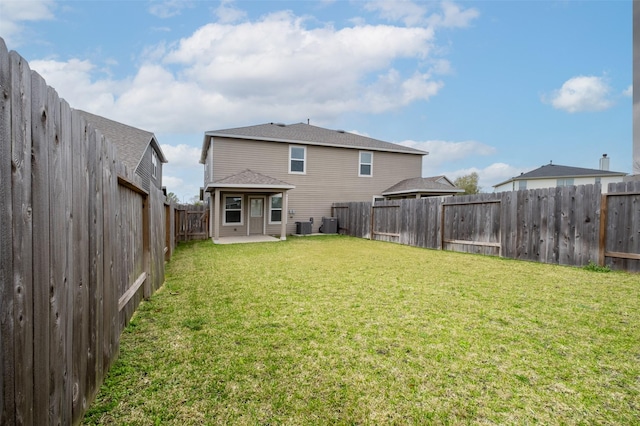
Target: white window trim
(272, 209)
(154, 164)
(224, 210)
(304, 160)
(360, 163)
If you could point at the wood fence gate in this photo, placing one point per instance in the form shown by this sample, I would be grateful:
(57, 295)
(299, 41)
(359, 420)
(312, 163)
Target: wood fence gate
(191, 222)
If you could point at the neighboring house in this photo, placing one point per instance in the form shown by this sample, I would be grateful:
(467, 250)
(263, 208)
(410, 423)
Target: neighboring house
(435, 186)
(553, 175)
(263, 179)
(138, 149)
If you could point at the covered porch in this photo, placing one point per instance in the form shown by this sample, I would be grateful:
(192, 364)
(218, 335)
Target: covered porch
(248, 206)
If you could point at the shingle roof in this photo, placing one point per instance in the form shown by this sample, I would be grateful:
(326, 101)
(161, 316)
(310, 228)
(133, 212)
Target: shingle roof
(248, 178)
(131, 142)
(302, 133)
(558, 171)
(428, 184)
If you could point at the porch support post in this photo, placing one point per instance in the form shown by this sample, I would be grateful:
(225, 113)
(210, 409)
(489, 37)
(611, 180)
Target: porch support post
(215, 216)
(285, 215)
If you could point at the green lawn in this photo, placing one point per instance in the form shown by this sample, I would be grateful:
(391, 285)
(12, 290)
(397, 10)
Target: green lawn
(338, 330)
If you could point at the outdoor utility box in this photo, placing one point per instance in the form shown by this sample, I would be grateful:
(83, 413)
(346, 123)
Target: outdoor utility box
(303, 228)
(329, 225)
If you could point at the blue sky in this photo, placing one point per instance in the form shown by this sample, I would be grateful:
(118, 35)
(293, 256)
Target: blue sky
(495, 87)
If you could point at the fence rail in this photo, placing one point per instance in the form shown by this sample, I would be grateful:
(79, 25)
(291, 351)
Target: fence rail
(81, 245)
(569, 225)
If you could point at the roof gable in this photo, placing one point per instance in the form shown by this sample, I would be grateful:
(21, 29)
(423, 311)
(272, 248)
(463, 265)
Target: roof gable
(301, 133)
(420, 184)
(131, 142)
(249, 178)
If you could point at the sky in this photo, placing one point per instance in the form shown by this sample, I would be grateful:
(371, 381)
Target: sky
(495, 87)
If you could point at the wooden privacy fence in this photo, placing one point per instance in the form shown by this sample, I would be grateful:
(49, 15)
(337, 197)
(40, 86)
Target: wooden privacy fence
(191, 222)
(81, 244)
(554, 225)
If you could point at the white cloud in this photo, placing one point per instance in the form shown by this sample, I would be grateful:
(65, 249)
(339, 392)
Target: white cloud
(182, 156)
(73, 81)
(168, 8)
(13, 13)
(183, 190)
(406, 11)
(453, 16)
(442, 152)
(227, 14)
(412, 13)
(488, 176)
(628, 91)
(274, 68)
(582, 93)
(171, 182)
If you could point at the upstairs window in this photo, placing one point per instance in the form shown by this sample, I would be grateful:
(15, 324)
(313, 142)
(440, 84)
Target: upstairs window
(522, 184)
(275, 209)
(564, 182)
(232, 210)
(154, 164)
(366, 164)
(297, 159)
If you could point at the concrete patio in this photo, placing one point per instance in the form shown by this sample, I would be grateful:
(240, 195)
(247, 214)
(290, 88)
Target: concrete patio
(246, 239)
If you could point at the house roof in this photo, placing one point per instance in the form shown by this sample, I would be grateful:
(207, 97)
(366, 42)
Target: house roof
(249, 179)
(131, 142)
(434, 184)
(305, 134)
(550, 171)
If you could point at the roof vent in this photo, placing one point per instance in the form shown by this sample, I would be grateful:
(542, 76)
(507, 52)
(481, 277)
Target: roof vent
(340, 131)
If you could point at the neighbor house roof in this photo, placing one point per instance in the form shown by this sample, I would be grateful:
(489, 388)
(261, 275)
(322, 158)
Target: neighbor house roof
(249, 179)
(434, 184)
(551, 171)
(305, 134)
(131, 142)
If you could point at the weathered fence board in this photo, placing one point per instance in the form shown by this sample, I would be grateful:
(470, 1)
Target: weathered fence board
(80, 178)
(554, 225)
(7, 389)
(22, 227)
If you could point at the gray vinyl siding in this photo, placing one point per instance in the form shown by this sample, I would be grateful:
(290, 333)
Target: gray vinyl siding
(331, 176)
(144, 170)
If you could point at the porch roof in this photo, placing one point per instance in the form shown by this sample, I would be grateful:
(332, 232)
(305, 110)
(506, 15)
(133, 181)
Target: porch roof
(431, 185)
(249, 180)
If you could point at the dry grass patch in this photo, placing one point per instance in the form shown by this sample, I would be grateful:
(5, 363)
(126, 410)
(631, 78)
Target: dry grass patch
(337, 330)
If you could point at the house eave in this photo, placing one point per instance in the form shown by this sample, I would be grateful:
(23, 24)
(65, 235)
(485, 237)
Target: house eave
(299, 142)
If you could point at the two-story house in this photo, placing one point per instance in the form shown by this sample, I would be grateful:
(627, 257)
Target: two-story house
(554, 175)
(262, 179)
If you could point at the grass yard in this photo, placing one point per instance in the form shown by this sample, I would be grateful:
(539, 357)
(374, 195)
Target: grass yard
(338, 330)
